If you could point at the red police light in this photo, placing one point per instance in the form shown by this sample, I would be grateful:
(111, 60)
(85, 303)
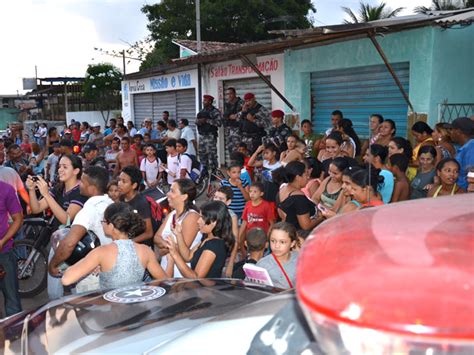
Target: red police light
(397, 279)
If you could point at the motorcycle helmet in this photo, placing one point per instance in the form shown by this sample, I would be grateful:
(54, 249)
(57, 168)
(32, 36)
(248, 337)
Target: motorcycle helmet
(86, 244)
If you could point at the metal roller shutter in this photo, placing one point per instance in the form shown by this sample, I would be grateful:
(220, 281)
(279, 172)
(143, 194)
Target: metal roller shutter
(186, 106)
(180, 104)
(358, 93)
(257, 86)
(262, 92)
(164, 101)
(142, 107)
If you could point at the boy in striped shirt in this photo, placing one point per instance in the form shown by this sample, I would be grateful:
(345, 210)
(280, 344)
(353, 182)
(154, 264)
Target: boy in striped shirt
(239, 187)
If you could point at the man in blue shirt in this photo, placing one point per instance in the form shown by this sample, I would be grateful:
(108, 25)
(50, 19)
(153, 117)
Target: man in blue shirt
(112, 126)
(462, 133)
(149, 129)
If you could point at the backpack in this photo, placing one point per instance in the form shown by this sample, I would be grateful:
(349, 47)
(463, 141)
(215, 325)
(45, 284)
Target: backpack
(196, 168)
(156, 213)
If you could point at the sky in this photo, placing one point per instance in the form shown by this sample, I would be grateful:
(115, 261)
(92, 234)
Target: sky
(59, 36)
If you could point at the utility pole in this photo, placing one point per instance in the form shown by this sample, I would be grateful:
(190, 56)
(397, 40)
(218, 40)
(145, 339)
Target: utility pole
(123, 61)
(198, 25)
(198, 48)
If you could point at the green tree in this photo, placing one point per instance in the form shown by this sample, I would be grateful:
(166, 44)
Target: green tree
(443, 5)
(102, 86)
(221, 20)
(369, 13)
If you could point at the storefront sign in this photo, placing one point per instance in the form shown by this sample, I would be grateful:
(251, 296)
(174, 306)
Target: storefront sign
(169, 82)
(175, 81)
(267, 66)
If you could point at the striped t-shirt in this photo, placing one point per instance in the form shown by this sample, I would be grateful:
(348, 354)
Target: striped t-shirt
(238, 201)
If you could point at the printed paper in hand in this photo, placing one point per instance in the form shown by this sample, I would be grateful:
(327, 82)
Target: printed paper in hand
(257, 274)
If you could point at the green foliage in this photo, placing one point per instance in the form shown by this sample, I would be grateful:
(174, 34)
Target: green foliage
(237, 21)
(369, 13)
(444, 5)
(102, 86)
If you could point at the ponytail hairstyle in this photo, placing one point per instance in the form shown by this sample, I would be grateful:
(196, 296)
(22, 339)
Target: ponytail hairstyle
(404, 144)
(292, 170)
(380, 151)
(351, 170)
(392, 124)
(368, 177)
(421, 127)
(341, 163)
(279, 176)
(187, 187)
(316, 167)
(445, 130)
(76, 163)
(336, 136)
(124, 219)
(346, 125)
(217, 211)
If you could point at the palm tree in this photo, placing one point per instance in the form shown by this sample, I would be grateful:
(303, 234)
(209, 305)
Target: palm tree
(369, 13)
(443, 5)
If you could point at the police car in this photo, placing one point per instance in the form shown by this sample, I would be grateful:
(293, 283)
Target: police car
(396, 279)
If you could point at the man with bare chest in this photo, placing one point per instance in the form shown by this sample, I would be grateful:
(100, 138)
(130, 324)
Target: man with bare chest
(126, 157)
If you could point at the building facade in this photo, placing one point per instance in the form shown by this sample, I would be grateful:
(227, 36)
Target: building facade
(433, 64)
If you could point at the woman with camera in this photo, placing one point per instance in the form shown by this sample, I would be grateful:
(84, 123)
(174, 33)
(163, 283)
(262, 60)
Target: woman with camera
(64, 199)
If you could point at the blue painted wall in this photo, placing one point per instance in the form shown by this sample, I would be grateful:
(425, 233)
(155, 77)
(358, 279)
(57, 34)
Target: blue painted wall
(430, 52)
(452, 67)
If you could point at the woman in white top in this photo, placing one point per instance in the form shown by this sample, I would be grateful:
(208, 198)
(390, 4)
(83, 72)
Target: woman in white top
(173, 131)
(131, 129)
(180, 198)
(351, 145)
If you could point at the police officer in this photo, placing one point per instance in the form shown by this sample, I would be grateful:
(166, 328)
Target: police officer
(280, 131)
(209, 119)
(254, 122)
(232, 108)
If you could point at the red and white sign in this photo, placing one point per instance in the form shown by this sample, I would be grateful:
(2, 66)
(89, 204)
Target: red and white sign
(266, 66)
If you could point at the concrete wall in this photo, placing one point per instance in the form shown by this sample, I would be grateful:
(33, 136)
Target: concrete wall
(452, 69)
(90, 117)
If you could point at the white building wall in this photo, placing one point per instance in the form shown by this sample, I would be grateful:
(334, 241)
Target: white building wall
(90, 117)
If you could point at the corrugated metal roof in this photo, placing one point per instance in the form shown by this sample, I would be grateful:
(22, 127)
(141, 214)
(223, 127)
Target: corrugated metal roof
(206, 46)
(465, 18)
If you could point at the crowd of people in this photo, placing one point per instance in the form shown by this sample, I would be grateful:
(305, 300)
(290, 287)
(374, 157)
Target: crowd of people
(278, 186)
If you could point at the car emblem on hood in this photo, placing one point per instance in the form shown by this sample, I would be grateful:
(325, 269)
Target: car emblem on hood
(134, 294)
